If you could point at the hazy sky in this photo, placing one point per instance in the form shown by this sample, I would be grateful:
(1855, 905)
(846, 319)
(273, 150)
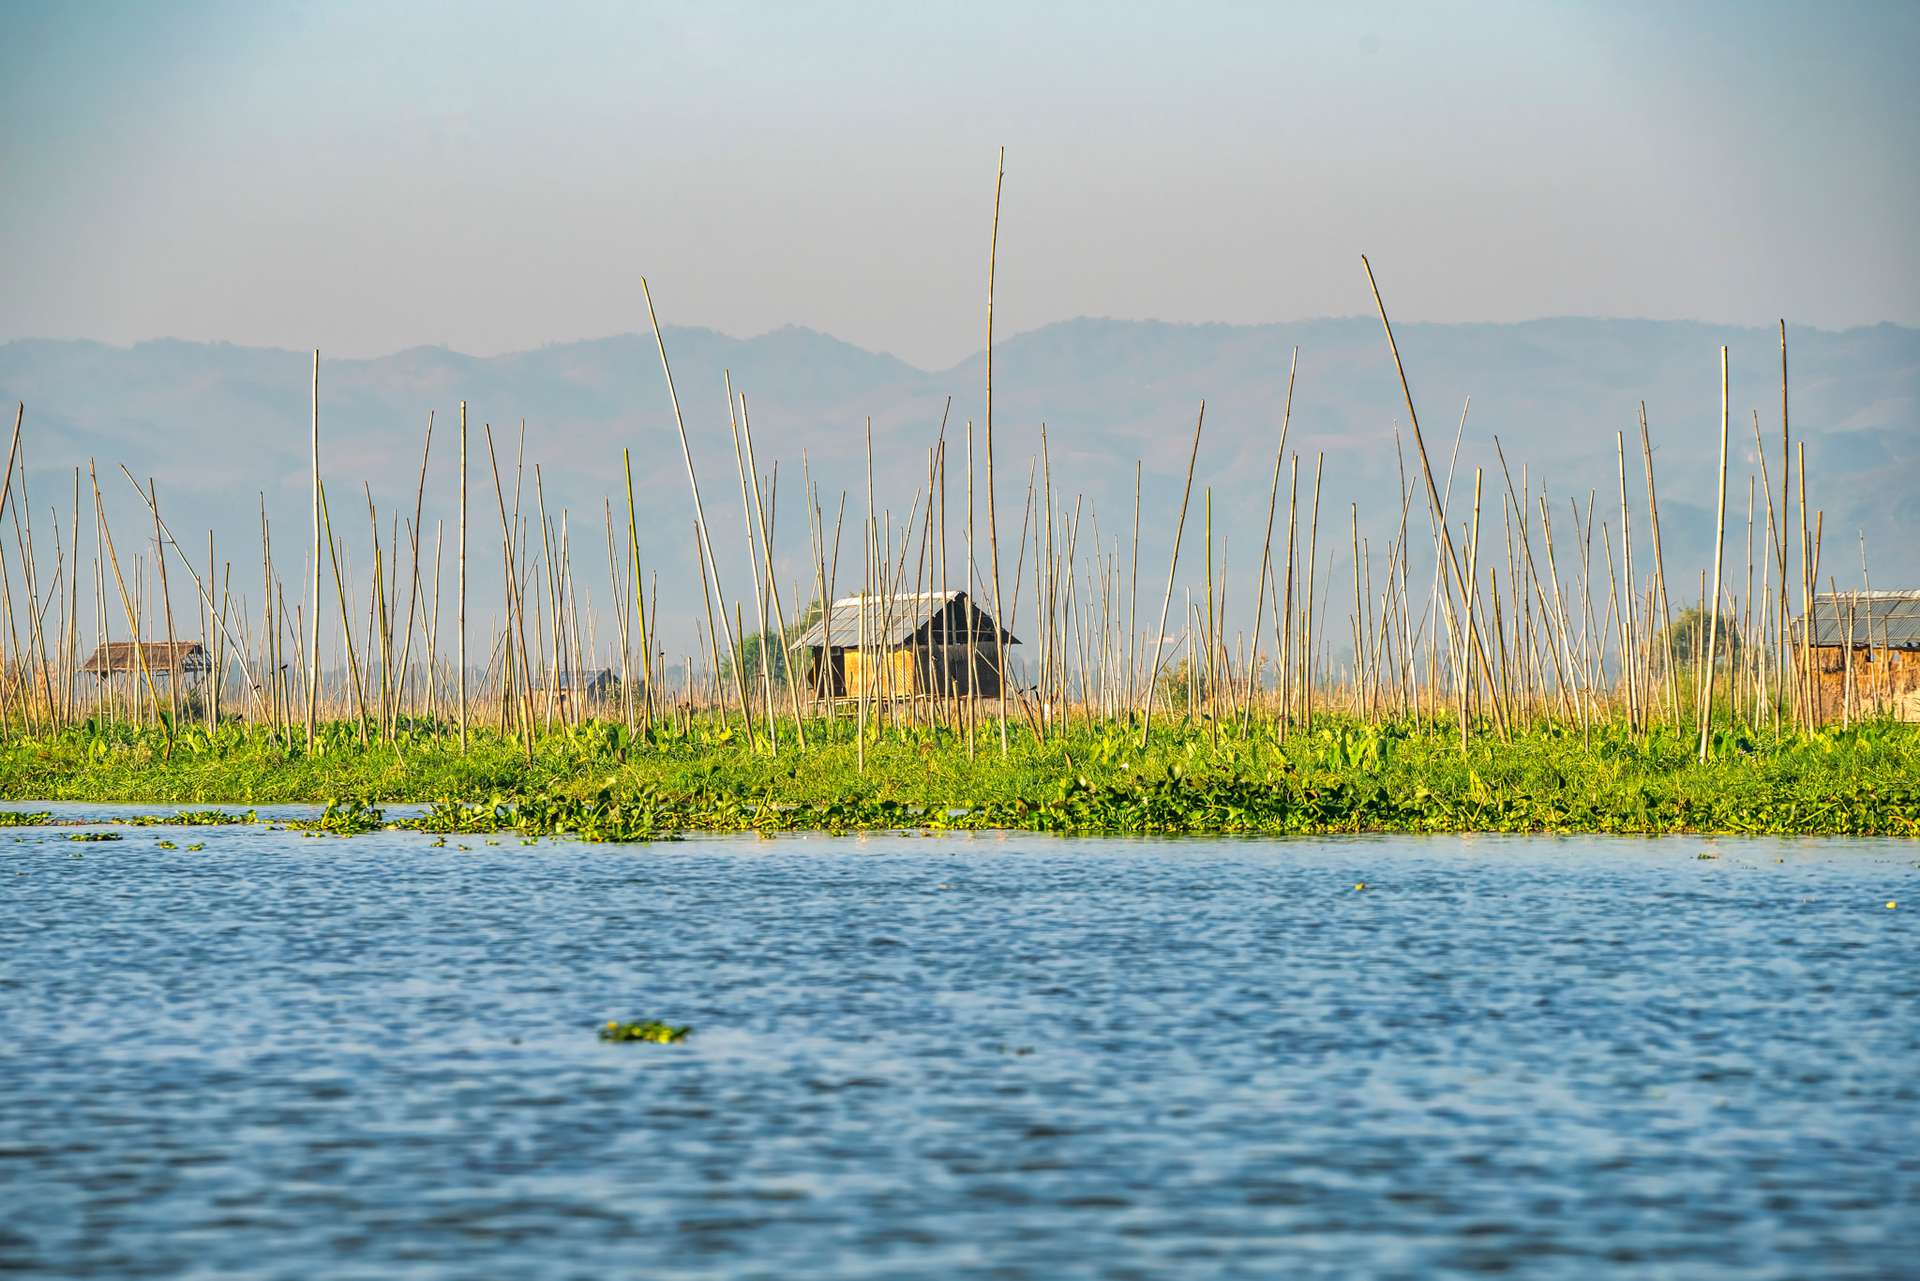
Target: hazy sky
(363, 177)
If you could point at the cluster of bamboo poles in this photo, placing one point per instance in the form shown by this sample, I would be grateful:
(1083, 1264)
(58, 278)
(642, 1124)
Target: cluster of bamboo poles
(1450, 627)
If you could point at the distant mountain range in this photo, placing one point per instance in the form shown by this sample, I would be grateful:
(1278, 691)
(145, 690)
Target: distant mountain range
(218, 426)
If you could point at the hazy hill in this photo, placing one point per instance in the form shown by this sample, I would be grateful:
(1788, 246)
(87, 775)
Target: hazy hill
(218, 425)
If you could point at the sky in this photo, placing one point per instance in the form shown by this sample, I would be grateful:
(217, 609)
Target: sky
(367, 177)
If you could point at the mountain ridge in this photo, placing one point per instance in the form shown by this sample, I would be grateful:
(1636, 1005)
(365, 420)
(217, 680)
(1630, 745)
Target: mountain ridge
(224, 427)
(1079, 320)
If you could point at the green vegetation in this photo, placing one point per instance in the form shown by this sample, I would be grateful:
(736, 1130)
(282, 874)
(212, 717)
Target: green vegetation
(596, 782)
(658, 1033)
(756, 649)
(1686, 639)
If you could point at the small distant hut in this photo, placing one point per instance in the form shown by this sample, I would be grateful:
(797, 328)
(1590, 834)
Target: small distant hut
(591, 686)
(1866, 653)
(915, 645)
(169, 659)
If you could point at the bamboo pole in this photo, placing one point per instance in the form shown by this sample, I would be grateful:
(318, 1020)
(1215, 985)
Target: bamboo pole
(1173, 565)
(1628, 634)
(413, 591)
(516, 607)
(1212, 681)
(346, 628)
(763, 525)
(1446, 538)
(1719, 552)
(1786, 495)
(461, 607)
(1660, 571)
(1266, 542)
(699, 511)
(313, 621)
(1313, 555)
(166, 601)
(993, 529)
(72, 676)
(1467, 685)
(131, 610)
(973, 631)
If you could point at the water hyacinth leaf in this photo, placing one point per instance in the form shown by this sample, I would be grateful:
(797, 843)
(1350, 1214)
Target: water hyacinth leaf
(649, 1030)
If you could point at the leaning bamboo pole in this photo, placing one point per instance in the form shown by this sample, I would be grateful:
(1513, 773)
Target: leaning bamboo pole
(1809, 577)
(1467, 685)
(132, 612)
(346, 622)
(1426, 469)
(413, 578)
(1209, 673)
(1660, 572)
(1266, 541)
(973, 632)
(204, 589)
(511, 550)
(763, 525)
(1777, 543)
(699, 511)
(993, 529)
(640, 596)
(166, 599)
(1166, 602)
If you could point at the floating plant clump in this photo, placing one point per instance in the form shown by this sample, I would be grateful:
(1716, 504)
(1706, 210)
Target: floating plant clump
(22, 818)
(650, 1030)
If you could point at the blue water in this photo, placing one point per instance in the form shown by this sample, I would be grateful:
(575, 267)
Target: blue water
(958, 1057)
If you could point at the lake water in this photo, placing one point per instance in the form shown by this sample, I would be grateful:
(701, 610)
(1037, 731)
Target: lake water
(957, 1057)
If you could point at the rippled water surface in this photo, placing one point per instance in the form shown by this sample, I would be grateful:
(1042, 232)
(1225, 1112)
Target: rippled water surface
(985, 1056)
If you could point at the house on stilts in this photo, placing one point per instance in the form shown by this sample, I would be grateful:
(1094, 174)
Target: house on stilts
(912, 645)
(1865, 651)
(169, 660)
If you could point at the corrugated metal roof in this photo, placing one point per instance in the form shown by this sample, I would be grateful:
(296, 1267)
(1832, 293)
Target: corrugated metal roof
(890, 622)
(1879, 618)
(160, 656)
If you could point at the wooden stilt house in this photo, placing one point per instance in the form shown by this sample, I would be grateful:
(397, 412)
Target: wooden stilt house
(915, 645)
(171, 660)
(1866, 654)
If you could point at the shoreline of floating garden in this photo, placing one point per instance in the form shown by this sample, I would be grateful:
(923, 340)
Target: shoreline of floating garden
(1340, 777)
(1166, 807)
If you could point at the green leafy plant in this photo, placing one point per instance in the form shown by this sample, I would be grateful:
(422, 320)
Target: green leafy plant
(649, 1030)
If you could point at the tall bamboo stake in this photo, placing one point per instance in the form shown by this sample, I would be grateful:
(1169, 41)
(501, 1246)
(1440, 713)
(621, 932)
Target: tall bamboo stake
(699, 511)
(1446, 538)
(1266, 542)
(1166, 603)
(1306, 623)
(993, 529)
(1719, 552)
(1660, 571)
(313, 621)
(413, 577)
